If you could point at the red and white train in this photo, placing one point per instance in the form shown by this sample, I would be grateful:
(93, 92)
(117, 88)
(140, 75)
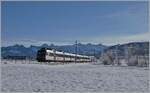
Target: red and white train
(50, 55)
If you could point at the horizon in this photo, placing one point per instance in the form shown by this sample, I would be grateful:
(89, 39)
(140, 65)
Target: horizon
(73, 44)
(52, 44)
(63, 22)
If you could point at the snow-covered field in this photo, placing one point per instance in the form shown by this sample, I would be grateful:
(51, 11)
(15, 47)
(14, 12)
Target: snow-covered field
(80, 77)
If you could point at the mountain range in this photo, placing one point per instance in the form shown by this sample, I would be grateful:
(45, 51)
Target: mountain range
(83, 49)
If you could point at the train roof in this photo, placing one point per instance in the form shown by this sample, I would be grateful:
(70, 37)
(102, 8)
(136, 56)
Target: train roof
(64, 53)
(49, 51)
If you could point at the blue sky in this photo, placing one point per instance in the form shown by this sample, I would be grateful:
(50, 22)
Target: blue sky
(64, 22)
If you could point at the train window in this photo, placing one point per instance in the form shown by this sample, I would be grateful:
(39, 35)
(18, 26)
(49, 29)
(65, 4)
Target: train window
(47, 53)
(50, 54)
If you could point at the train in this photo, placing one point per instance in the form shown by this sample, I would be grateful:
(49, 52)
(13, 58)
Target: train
(51, 55)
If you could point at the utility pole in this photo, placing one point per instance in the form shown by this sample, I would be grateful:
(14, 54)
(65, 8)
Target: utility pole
(126, 53)
(102, 51)
(54, 55)
(116, 55)
(94, 55)
(76, 50)
(94, 52)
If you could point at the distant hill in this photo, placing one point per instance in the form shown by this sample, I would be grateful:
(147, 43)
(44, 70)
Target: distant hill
(83, 49)
(135, 48)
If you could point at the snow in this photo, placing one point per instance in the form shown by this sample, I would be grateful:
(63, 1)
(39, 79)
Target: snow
(73, 77)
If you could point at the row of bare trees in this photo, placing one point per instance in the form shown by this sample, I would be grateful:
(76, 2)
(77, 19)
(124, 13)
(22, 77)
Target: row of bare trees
(130, 59)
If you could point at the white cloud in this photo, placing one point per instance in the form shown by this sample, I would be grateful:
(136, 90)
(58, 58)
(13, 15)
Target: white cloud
(112, 40)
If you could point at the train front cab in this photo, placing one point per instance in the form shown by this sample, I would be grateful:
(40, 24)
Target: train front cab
(41, 55)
